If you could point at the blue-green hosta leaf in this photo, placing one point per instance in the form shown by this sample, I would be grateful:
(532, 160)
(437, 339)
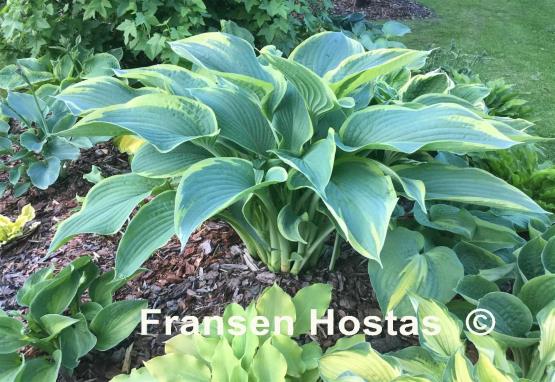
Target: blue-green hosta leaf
(393, 28)
(152, 163)
(13, 335)
(164, 120)
(316, 164)
(11, 80)
(44, 173)
(512, 317)
(538, 293)
(432, 274)
(548, 255)
(106, 207)
(432, 82)
(515, 134)
(115, 322)
(55, 323)
(474, 287)
(55, 297)
(317, 94)
(221, 52)
(75, 342)
(448, 218)
(289, 224)
(61, 148)
(168, 77)
(31, 141)
(444, 127)
(433, 99)
(359, 69)
(530, 258)
(468, 185)
(41, 369)
(214, 184)
(22, 106)
(447, 342)
(150, 228)
(411, 188)
(33, 285)
(356, 187)
(10, 366)
(239, 118)
(96, 93)
(322, 52)
(473, 93)
(101, 64)
(291, 121)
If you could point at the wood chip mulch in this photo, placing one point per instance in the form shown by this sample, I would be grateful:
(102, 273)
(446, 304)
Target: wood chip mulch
(383, 9)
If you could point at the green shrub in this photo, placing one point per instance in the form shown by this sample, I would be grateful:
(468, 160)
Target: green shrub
(36, 155)
(286, 150)
(144, 27)
(61, 323)
(246, 357)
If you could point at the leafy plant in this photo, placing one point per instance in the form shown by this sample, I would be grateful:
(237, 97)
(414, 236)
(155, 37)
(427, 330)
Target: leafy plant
(286, 150)
(442, 357)
(245, 357)
(144, 27)
(10, 230)
(36, 154)
(61, 323)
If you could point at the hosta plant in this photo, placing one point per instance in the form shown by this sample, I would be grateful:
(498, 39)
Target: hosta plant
(234, 357)
(10, 230)
(61, 324)
(36, 155)
(287, 151)
(443, 357)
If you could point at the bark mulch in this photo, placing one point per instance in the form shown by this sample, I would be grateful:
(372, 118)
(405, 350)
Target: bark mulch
(383, 9)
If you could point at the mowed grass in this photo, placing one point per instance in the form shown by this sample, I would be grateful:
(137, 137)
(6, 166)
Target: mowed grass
(517, 38)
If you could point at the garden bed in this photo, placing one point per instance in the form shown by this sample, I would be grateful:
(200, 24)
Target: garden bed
(383, 9)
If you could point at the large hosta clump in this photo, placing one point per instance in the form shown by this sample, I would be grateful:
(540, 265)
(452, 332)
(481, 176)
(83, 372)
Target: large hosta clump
(288, 151)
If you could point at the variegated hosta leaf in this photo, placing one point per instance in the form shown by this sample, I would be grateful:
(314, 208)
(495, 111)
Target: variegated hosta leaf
(316, 164)
(473, 93)
(163, 120)
(459, 369)
(291, 121)
(364, 363)
(106, 207)
(492, 350)
(468, 185)
(150, 228)
(432, 82)
(221, 52)
(322, 52)
(356, 188)
(152, 163)
(546, 321)
(97, 92)
(173, 78)
(432, 274)
(445, 344)
(317, 94)
(416, 360)
(239, 118)
(410, 188)
(359, 69)
(433, 99)
(446, 127)
(211, 185)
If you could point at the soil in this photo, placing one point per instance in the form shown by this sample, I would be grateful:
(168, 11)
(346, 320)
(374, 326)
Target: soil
(213, 270)
(383, 9)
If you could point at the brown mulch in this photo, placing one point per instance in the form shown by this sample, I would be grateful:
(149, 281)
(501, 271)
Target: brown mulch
(383, 9)
(212, 271)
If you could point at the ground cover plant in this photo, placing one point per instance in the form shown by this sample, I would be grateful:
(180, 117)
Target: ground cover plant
(289, 149)
(60, 324)
(35, 155)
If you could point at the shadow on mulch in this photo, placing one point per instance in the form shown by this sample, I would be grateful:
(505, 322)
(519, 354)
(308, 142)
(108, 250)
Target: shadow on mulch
(383, 9)
(212, 271)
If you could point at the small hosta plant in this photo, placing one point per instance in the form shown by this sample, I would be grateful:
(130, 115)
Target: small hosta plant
(443, 357)
(36, 154)
(10, 230)
(60, 324)
(234, 357)
(288, 151)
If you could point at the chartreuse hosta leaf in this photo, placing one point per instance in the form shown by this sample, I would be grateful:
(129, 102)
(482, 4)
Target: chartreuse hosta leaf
(184, 120)
(361, 68)
(445, 127)
(468, 185)
(96, 93)
(106, 208)
(324, 51)
(404, 269)
(211, 185)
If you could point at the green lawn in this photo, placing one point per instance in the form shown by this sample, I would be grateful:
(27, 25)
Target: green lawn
(517, 37)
